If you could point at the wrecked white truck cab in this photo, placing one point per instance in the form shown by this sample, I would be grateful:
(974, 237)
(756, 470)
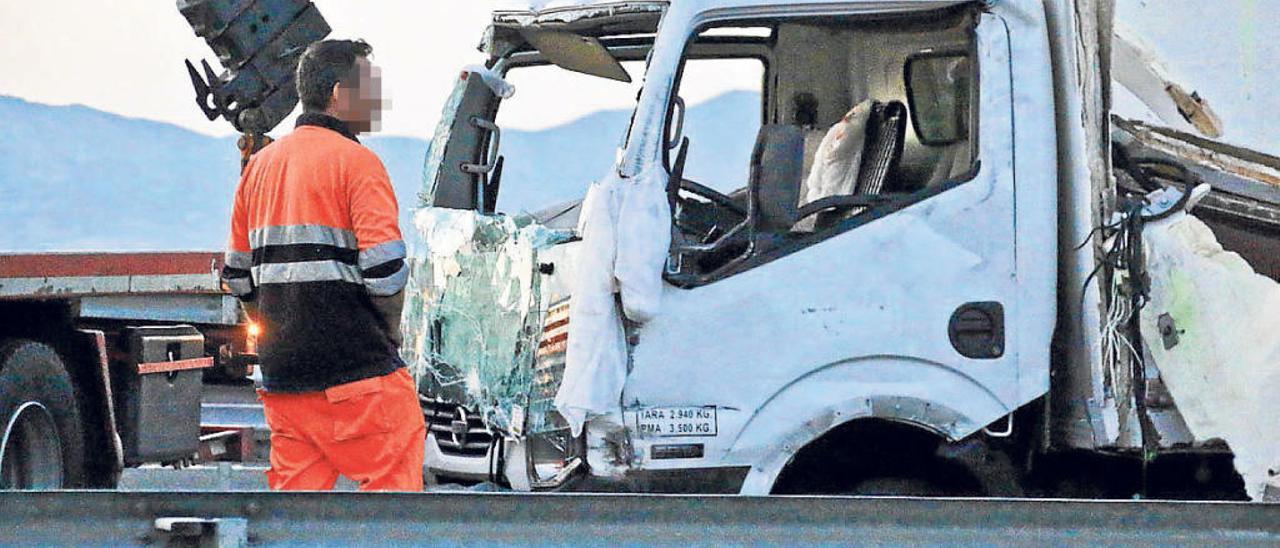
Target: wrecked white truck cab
(873, 312)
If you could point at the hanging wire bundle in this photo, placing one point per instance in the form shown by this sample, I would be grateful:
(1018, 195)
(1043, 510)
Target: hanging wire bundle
(1123, 254)
(1129, 285)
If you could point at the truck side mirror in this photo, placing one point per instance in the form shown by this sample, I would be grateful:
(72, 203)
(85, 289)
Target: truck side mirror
(938, 91)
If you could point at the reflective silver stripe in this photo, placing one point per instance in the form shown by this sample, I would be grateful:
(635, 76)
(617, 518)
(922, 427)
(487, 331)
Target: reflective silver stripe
(240, 286)
(238, 259)
(312, 271)
(382, 253)
(390, 285)
(302, 234)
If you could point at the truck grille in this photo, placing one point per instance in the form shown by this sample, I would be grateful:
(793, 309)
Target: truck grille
(458, 431)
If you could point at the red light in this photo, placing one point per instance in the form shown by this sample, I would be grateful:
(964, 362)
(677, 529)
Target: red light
(252, 331)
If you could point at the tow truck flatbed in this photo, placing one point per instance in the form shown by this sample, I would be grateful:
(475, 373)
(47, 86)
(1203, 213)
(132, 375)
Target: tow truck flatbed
(164, 287)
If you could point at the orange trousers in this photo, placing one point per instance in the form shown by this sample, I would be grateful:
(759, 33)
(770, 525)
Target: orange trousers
(370, 431)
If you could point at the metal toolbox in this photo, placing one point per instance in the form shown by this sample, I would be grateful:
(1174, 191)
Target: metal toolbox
(158, 393)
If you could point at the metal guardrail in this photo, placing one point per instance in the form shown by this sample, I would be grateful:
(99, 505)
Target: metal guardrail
(124, 518)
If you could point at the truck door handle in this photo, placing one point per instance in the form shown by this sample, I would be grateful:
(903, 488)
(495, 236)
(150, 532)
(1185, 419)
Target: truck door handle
(976, 330)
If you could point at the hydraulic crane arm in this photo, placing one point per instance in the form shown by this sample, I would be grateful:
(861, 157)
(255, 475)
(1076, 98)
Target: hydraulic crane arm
(258, 43)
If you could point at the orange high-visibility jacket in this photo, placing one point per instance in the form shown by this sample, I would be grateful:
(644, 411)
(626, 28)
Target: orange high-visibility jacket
(314, 236)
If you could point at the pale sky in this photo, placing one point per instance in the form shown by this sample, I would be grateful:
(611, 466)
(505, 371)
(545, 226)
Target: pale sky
(126, 57)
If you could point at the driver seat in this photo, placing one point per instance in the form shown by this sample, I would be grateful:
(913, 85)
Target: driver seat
(777, 173)
(777, 167)
(881, 151)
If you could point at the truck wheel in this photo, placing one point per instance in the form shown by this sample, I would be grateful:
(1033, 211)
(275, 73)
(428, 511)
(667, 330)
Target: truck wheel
(41, 435)
(928, 478)
(898, 487)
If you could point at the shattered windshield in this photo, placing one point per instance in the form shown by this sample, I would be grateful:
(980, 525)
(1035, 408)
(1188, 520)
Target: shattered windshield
(472, 303)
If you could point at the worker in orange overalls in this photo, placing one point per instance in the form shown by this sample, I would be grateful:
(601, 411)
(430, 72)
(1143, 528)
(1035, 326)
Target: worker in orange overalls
(316, 254)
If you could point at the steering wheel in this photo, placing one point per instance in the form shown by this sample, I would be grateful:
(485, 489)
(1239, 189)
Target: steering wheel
(713, 195)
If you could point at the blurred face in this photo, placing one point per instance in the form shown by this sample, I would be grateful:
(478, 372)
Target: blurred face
(358, 101)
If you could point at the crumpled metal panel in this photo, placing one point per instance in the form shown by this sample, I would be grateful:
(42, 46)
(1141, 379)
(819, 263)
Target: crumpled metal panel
(584, 18)
(473, 310)
(540, 13)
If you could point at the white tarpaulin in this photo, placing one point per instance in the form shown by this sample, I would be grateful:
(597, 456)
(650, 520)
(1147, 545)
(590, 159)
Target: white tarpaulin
(626, 232)
(1223, 370)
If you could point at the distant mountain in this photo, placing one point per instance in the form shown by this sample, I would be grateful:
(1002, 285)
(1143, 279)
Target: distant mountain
(74, 178)
(77, 179)
(558, 164)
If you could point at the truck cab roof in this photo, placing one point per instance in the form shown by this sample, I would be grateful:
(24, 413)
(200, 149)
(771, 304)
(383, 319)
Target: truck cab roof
(643, 16)
(547, 7)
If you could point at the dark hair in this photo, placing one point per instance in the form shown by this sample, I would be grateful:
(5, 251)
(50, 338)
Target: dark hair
(324, 65)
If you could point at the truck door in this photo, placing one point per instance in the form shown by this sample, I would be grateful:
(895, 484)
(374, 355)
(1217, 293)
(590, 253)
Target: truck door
(906, 293)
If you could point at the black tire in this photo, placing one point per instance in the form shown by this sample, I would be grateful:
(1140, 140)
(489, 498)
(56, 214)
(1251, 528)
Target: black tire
(39, 418)
(899, 487)
(925, 478)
